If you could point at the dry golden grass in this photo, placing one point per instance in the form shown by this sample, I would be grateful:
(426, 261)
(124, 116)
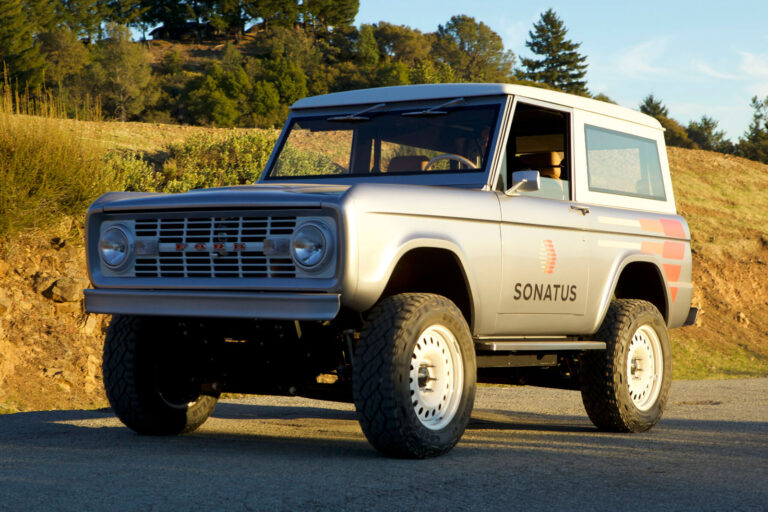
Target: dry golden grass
(725, 200)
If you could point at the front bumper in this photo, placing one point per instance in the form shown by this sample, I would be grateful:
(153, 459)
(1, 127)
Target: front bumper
(252, 305)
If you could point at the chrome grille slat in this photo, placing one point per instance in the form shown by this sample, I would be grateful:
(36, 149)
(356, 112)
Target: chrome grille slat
(197, 229)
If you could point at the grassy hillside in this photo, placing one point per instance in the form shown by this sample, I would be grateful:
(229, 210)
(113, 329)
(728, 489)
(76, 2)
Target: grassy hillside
(724, 199)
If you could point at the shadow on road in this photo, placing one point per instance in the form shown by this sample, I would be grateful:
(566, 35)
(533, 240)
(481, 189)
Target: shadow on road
(237, 411)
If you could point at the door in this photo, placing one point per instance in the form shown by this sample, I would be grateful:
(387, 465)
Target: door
(545, 249)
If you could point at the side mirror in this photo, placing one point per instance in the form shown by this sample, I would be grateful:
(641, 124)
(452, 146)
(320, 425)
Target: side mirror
(525, 181)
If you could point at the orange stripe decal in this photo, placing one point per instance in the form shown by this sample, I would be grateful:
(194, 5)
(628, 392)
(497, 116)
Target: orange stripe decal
(673, 228)
(672, 272)
(653, 248)
(651, 225)
(673, 292)
(674, 250)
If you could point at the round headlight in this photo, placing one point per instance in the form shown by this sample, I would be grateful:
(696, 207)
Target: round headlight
(115, 247)
(309, 246)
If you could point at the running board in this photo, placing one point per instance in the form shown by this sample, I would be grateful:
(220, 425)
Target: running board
(536, 345)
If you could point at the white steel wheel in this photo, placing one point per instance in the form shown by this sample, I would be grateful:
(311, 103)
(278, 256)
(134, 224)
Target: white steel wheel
(645, 367)
(436, 377)
(625, 387)
(414, 375)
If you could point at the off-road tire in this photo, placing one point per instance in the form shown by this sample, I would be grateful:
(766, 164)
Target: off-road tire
(604, 376)
(381, 376)
(129, 366)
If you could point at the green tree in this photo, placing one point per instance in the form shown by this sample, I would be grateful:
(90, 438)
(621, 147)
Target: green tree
(209, 105)
(65, 56)
(427, 72)
(164, 12)
(320, 15)
(367, 49)
(560, 65)
(674, 133)
(403, 43)
(474, 51)
(653, 107)
(44, 14)
(754, 144)
(272, 13)
(705, 134)
(20, 57)
(267, 112)
(121, 73)
(83, 17)
(603, 97)
(283, 73)
(308, 51)
(220, 96)
(123, 12)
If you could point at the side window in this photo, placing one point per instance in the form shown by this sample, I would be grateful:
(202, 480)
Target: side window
(540, 140)
(618, 163)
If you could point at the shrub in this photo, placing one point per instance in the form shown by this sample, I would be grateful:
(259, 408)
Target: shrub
(48, 168)
(209, 160)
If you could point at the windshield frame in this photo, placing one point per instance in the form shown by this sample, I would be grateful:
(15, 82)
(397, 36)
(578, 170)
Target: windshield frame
(461, 178)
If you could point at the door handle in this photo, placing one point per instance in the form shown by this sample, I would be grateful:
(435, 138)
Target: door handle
(582, 209)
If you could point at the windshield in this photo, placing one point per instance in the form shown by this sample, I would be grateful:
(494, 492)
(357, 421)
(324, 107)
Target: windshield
(381, 142)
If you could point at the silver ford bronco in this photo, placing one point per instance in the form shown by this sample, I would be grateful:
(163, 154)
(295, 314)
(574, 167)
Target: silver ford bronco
(403, 244)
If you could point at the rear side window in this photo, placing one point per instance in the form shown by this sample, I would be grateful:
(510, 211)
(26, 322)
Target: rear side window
(618, 163)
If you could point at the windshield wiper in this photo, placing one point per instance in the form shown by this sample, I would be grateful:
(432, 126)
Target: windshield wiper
(434, 111)
(358, 116)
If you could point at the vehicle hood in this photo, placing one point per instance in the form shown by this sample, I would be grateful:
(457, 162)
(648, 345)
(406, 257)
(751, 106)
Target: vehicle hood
(243, 196)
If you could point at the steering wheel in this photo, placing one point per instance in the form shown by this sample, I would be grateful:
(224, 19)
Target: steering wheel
(449, 156)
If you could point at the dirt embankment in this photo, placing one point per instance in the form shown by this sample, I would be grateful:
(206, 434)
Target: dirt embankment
(50, 350)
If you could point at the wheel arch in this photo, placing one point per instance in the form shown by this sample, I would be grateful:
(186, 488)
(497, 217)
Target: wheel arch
(638, 277)
(433, 268)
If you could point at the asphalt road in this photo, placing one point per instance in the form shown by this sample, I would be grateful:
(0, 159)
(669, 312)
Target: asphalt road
(525, 449)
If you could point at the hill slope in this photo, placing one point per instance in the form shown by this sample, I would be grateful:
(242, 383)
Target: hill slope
(725, 200)
(50, 350)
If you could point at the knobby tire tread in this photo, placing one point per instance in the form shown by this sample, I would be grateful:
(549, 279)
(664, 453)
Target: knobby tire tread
(384, 418)
(602, 379)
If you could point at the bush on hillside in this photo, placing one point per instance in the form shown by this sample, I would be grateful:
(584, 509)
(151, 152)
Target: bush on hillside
(51, 168)
(47, 170)
(209, 160)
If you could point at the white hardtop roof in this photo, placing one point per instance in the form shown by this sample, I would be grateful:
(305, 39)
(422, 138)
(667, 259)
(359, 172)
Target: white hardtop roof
(449, 91)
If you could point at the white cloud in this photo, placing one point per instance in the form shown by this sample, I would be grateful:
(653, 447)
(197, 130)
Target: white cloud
(639, 60)
(755, 67)
(754, 64)
(707, 70)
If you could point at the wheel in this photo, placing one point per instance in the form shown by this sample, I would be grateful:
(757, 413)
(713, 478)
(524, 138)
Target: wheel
(414, 376)
(625, 388)
(450, 156)
(151, 377)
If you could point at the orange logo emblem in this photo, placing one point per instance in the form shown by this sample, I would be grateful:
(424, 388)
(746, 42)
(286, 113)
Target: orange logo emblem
(547, 256)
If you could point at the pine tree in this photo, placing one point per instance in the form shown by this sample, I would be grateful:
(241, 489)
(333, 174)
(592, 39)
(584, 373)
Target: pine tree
(653, 107)
(705, 134)
(20, 57)
(674, 133)
(754, 144)
(321, 14)
(561, 65)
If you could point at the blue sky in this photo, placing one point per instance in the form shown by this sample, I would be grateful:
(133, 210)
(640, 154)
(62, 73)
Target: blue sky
(699, 57)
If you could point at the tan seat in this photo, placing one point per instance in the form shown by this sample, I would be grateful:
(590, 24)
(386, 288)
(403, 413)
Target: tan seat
(546, 162)
(413, 163)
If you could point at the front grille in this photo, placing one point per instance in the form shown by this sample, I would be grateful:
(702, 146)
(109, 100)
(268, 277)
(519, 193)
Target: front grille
(245, 233)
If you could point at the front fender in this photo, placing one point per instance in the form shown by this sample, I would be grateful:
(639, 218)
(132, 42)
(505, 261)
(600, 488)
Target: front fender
(371, 284)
